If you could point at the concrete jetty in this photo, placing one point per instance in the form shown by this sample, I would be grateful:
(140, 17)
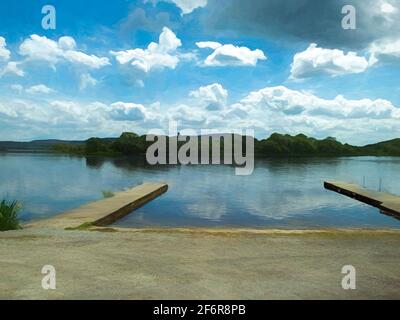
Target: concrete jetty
(387, 203)
(106, 211)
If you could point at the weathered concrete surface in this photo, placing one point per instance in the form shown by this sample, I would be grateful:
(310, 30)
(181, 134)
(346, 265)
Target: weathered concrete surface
(386, 202)
(106, 211)
(199, 264)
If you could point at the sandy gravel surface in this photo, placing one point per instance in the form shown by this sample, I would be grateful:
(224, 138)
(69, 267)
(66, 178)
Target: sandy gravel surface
(199, 264)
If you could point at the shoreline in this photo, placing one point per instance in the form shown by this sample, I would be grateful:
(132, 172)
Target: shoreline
(249, 231)
(228, 230)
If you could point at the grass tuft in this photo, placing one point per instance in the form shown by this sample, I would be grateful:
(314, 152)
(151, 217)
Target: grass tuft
(108, 194)
(9, 215)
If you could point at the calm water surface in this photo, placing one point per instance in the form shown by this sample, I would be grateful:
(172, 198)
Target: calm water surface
(280, 193)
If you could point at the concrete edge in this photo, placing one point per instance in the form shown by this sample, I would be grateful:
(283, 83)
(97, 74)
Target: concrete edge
(127, 209)
(249, 231)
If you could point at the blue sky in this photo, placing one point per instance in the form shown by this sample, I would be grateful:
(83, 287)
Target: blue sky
(264, 65)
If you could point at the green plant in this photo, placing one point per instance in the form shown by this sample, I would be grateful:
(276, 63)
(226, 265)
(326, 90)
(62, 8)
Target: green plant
(9, 215)
(108, 194)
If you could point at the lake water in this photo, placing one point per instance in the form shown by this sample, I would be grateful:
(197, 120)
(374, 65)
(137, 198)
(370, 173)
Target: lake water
(280, 193)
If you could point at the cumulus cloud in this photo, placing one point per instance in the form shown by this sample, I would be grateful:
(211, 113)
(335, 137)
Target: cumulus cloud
(90, 61)
(122, 111)
(205, 110)
(4, 52)
(40, 88)
(157, 55)
(188, 116)
(292, 102)
(187, 6)
(37, 48)
(316, 61)
(70, 119)
(388, 8)
(208, 44)
(230, 55)
(385, 49)
(41, 48)
(212, 97)
(12, 67)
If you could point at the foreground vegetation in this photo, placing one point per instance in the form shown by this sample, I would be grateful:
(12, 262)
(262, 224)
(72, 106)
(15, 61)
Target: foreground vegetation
(107, 194)
(9, 215)
(277, 145)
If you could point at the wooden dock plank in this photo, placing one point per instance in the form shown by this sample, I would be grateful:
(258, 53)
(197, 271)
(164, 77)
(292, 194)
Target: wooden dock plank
(106, 211)
(386, 202)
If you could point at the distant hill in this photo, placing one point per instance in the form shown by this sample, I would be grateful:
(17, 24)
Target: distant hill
(277, 145)
(36, 145)
(390, 148)
(301, 145)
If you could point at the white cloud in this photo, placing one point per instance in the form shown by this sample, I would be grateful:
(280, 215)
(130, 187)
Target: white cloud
(12, 67)
(384, 49)
(73, 119)
(87, 80)
(292, 102)
(90, 61)
(317, 61)
(208, 44)
(157, 55)
(230, 55)
(4, 53)
(212, 97)
(66, 43)
(40, 88)
(122, 111)
(387, 8)
(187, 6)
(38, 48)
(187, 116)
